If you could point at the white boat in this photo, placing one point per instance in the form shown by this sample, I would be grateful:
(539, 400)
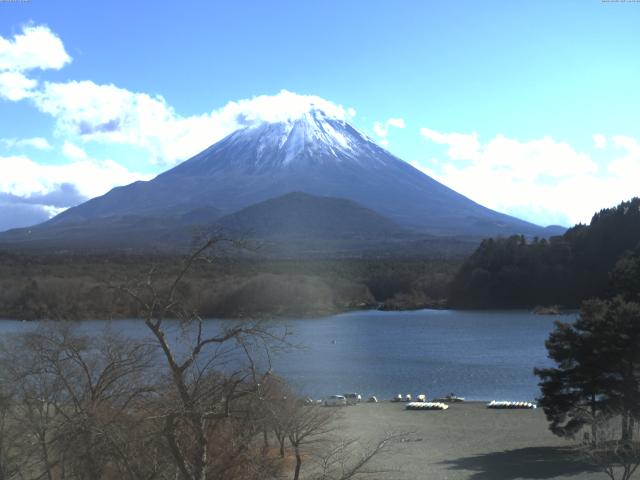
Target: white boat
(503, 404)
(426, 406)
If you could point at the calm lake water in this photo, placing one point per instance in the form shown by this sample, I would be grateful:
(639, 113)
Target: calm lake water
(478, 355)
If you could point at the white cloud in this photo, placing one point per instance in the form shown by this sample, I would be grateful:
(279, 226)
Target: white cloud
(16, 86)
(462, 146)
(599, 141)
(73, 151)
(39, 143)
(629, 144)
(17, 211)
(629, 163)
(378, 129)
(282, 107)
(24, 177)
(109, 114)
(396, 122)
(543, 179)
(35, 47)
(381, 129)
(31, 193)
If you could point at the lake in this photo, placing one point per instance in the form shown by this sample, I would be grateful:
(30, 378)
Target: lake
(478, 355)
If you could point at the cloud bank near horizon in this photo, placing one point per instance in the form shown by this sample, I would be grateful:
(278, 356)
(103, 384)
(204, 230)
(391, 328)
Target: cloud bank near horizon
(543, 178)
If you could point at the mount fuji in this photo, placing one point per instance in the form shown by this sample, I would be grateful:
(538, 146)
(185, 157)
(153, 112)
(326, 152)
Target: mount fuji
(311, 153)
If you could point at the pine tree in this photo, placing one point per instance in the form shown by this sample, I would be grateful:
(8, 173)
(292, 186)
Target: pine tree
(598, 369)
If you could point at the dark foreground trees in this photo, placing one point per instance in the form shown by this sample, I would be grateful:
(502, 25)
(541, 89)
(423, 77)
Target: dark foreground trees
(516, 272)
(596, 383)
(73, 405)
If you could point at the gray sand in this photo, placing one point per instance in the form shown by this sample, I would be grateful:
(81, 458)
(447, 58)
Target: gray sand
(468, 441)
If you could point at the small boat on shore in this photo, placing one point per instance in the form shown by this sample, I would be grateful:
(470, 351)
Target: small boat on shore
(510, 405)
(451, 398)
(426, 406)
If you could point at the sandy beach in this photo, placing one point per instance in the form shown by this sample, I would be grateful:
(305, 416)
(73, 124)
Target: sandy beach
(467, 441)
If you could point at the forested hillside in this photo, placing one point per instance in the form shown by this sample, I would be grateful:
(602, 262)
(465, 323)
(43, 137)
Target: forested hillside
(592, 260)
(86, 286)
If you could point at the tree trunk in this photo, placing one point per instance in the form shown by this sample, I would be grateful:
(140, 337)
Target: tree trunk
(201, 449)
(594, 426)
(625, 426)
(281, 447)
(296, 475)
(45, 454)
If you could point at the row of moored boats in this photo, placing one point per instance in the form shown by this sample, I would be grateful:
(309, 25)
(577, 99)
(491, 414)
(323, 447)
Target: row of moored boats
(436, 405)
(423, 398)
(426, 406)
(511, 405)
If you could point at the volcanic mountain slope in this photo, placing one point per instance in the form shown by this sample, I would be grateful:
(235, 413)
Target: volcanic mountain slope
(302, 215)
(311, 153)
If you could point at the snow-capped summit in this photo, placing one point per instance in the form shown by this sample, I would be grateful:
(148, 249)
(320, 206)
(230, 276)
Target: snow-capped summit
(311, 138)
(314, 132)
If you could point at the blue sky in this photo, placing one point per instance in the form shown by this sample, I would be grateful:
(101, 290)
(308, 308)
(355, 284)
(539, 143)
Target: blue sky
(530, 108)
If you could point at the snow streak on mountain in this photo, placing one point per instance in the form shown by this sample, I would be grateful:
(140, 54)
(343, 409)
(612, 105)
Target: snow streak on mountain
(311, 139)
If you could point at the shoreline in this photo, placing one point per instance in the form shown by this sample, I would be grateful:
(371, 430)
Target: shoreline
(313, 315)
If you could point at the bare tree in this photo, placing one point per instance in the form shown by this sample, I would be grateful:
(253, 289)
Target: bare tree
(348, 459)
(74, 395)
(34, 392)
(212, 377)
(616, 457)
(308, 426)
(278, 402)
(9, 463)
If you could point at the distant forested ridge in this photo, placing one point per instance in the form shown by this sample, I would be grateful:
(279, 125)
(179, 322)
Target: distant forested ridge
(596, 260)
(80, 287)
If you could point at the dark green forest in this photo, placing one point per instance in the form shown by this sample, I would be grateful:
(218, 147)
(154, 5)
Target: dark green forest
(601, 259)
(76, 287)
